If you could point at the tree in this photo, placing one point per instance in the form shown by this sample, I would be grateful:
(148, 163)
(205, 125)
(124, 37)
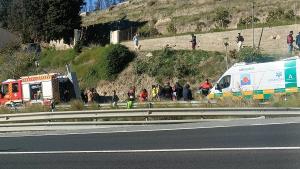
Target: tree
(4, 6)
(62, 18)
(27, 17)
(42, 20)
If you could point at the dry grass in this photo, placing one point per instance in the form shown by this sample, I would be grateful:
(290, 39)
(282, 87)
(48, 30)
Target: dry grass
(187, 13)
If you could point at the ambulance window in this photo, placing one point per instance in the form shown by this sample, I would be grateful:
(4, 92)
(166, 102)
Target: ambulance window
(15, 88)
(225, 82)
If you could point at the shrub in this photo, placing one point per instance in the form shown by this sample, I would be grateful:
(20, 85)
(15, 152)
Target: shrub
(78, 47)
(101, 63)
(118, 57)
(171, 28)
(16, 64)
(77, 105)
(222, 17)
(140, 67)
(151, 3)
(280, 14)
(249, 55)
(148, 31)
(247, 21)
(275, 14)
(290, 14)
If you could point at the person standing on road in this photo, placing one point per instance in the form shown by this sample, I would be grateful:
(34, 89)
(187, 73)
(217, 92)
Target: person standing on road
(240, 40)
(90, 96)
(187, 93)
(290, 41)
(167, 91)
(143, 95)
(298, 41)
(178, 89)
(115, 99)
(205, 87)
(194, 41)
(154, 92)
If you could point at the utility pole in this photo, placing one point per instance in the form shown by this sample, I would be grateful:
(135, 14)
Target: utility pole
(295, 12)
(253, 44)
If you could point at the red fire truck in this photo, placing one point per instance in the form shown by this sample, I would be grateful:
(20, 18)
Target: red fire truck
(39, 89)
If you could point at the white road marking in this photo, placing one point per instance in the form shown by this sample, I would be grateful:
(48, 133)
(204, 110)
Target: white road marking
(153, 151)
(150, 130)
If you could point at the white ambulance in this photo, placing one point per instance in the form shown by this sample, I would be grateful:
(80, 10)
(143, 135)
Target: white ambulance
(259, 80)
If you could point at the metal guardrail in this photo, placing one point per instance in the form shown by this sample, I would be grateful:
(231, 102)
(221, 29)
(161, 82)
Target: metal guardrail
(94, 118)
(142, 104)
(104, 115)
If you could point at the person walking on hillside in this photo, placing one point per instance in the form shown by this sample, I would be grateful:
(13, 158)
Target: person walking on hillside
(136, 39)
(205, 87)
(290, 41)
(194, 41)
(240, 40)
(298, 41)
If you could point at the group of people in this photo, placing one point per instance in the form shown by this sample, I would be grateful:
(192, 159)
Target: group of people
(175, 92)
(290, 42)
(165, 92)
(90, 95)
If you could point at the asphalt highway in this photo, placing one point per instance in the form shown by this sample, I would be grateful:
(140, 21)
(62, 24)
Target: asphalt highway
(239, 147)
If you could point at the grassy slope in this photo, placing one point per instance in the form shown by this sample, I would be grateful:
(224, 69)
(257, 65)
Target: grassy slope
(182, 65)
(89, 65)
(92, 64)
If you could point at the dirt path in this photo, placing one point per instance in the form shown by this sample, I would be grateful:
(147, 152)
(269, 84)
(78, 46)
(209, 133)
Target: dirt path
(273, 40)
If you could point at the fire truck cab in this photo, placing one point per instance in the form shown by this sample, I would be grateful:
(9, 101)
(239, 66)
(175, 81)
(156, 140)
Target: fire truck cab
(11, 91)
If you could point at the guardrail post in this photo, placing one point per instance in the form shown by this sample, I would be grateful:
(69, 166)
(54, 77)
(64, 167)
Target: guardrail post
(150, 105)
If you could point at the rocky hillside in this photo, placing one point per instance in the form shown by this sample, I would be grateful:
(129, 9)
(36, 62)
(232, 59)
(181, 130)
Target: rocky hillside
(187, 15)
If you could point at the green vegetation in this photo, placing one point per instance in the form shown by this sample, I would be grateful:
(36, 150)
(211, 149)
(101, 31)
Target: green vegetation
(37, 20)
(222, 17)
(249, 55)
(247, 21)
(279, 14)
(92, 65)
(14, 63)
(184, 65)
(171, 28)
(148, 30)
(101, 63)
(275, 17)
(289, 100)
(52, 58)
